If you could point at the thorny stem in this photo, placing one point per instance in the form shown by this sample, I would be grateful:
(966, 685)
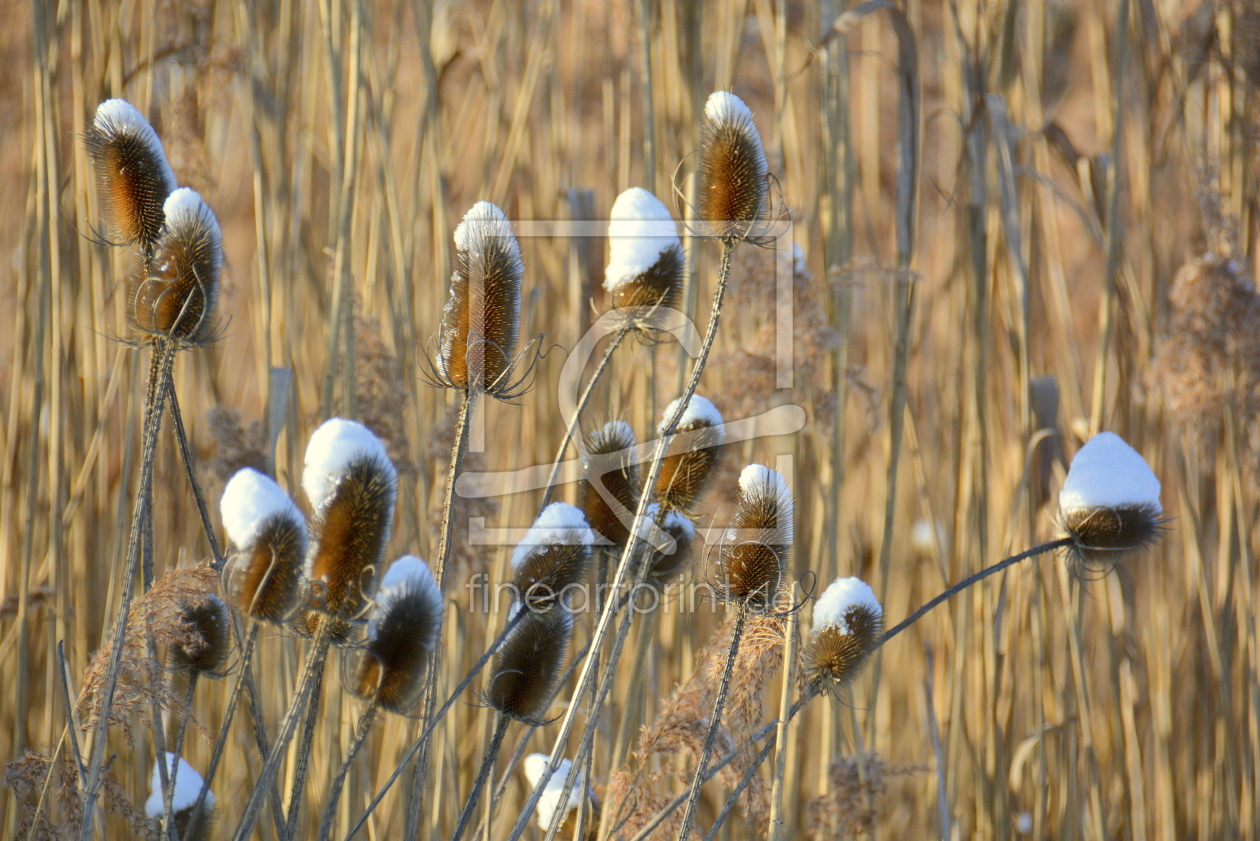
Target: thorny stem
(487, 764)
(715, 721)
(304, 752)
(165, 354)
(178, 750)
(334, 793)
(185, 453)
(623, 566)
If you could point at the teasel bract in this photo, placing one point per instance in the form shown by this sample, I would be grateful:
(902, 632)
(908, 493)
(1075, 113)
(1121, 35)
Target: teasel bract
(552, 557)
(733, 174)
(402, 631)
(265, 576)
(186, 786)
(645, 256)
(848, 622)
(175, 295)
(610, 492)
(694, 452)
(526, 667)
(481, 323)
(132, 173)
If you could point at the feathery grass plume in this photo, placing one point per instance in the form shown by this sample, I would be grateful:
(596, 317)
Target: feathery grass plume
(759, 540)
(1109, 505)
(848, 621)
(527, 665)
(352, 487)
(694, 452)
(265, 576)
(645, 256)
(611, 471)
(553, 796)
(482, 319)
(175, 296)
(187, 783)
(733, 172)
(553, 555)
(208, 636)
(402, 630)
(133, 175)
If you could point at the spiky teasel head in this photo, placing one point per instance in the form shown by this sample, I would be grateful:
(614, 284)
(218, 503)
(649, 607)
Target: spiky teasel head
(733, 173)
(402, 630)
(553, 798)
(527, 665)
(759, 540)
(645, 256)
(205, 638)
(176, 294)
(693, 454)
(667, 561)
(482, 319)
(610, 470)
(848, 622)
(188, 785)
(132, 173)
(1109, 505)
(265, 575)
(352, 487)
(553, 555)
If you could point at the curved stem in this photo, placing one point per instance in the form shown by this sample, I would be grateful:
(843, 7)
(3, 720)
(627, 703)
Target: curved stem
(334, 794)
(492, 752)
(185, 454)
(304, 751)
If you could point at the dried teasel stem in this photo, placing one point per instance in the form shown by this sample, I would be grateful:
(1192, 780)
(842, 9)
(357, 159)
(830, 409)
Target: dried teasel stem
(182, 808)
(334, 794)
(487, 765)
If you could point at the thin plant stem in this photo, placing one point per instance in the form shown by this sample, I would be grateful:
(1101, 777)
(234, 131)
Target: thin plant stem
(487, 764)
(185, 454)
(304, 751)
(715, 721)
(780, 763)
(334, 793)
(178, 750)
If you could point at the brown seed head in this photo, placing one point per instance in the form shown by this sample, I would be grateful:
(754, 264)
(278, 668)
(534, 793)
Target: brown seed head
(176, 294)
(527, 666)
(733, 171)
(401, 634)
(206, 638)
(759, 540)
(611, 490)
(133, 175)
(553, 556)
(693, 455)
(645, 256)
(848, 622)
(1104, 535)
(666, 563)
(264, 578)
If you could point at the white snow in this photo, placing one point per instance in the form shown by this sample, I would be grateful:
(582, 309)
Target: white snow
(834, 603)
(482, 222)
(119, 114)
(249, 500)
(559, 523)
(1108, 473)
(639, 230)
(698, 409)
(332, 448)
(187, 786)
(724, 106)
(185, 207)
(535, 766)
(759, 480)
(406, 576)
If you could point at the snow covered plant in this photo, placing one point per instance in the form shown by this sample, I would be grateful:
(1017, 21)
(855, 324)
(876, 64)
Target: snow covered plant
(265, 575)
(694, 452)
(184, 784)
(848, 621)
(553, 795)
(645, 256)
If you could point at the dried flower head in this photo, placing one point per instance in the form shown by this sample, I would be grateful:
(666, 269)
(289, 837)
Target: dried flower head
(527, 665)
(131, 170)
(352, 487)
(402, 630)
(733, 171)
(1109, 505)
(645, 256)
(176, 294)
(666, 559)
(848, 622)
(207, 638)
(265, 576)
(553, 555)
(187, 787)
(536, 765)
(694, 452)
(759, 540)
(482, 319)
(610, 493)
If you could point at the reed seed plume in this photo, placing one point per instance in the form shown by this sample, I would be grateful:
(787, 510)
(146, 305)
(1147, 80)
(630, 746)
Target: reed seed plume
(645, 255)
(848, 622)
(610, 493)
(352, 487)
(132, 173)
(402, 630)
(693, 456)
(175, 296)
(207, 636)
(526, 668)
(759, 540)
(733, 173)
(1109, 505)
(553, 556)
(187, 783)
(264, 578)
(482, 320)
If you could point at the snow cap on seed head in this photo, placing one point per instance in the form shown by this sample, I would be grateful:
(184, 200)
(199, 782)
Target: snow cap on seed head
(535, 766)
(848, 622)
(187, 786)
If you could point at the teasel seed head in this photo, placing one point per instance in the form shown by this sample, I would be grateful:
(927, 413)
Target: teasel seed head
(402, 631)
(666, 562)
(132, 173)
(733, 172)
(610, 469)
(352, 487)
(759, 540)
(848, 622)
(645, 256)
(266, 574)
(206, 640)
(187, 788)
(482, 319)
(693, 455)
(176, 294)
(527, 664)
(1109, 505)
(553, 555)
(535, 766)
